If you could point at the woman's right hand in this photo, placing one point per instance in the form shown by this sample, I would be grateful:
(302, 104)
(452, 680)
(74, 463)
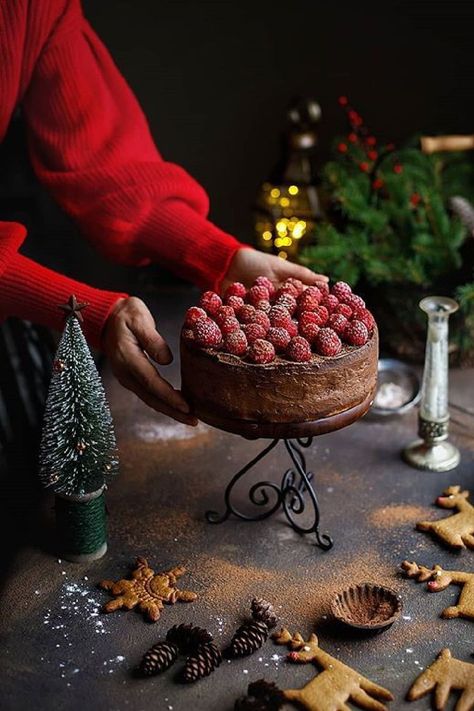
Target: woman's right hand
(131, 343)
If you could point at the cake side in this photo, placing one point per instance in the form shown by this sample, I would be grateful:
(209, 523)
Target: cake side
(226, 386)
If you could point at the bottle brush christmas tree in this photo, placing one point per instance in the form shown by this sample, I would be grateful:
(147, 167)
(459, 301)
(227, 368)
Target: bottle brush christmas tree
(78, 448)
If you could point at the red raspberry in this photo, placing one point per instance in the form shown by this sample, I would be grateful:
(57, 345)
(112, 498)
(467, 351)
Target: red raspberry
(210, 302)
(309, 331)
(223, 313)
(288, 301)
(323, 287)
(263, 305)
(261, 351)
(229, 325)
(342, 291)
(338, 323)
(207, 333)
(286, 288)
(279, 316)
(327, 342)
(356, 302)
(297, 283)
(343, 309)
(262, 319)
(309, 299)
(292, 328)
(257, 293)
(235, 301)
(322, 315)
(192, 315)
(307, 317)
(330, 302)
(366, 317)
(279, 338)
(246, 313)
(356, 334)
(235, 289)
(236, 343)
(253, 331)
(299, 349)
(264, 281)
(188, 334)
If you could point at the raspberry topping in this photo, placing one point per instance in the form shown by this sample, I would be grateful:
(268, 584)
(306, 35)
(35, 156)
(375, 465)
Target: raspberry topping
(288, 301)
(299, 350)
(292, 328)
(263, 305)
(258, 293)
(235, 289)
(279, 316)
(262, 319)
(366, 317)
(236, 343)
(261, 351)
(309, 331)
(356, 333)
(229, 325)
(338, 323)
(207, 333)
(246, 313)
(287, 288)
(265, 281)
(192, 315)
(210, 302)
(330, 302)
(341, 290)
(307, 317)
(356, 302)
(223, 313)
(236, 302)
(309, 299)
(297, 283)
(343, 309)
(188, 334)
(327, 342)
(253, 331)
(279, 338)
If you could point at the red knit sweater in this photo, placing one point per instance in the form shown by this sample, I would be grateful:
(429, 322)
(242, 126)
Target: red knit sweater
(91, 147)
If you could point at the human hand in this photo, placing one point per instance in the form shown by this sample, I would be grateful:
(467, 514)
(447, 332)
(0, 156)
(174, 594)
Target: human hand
(131, 343)
(248, 264)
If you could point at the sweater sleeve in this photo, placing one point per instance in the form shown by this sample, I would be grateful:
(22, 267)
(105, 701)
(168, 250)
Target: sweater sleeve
(91, 146)
(33, 292)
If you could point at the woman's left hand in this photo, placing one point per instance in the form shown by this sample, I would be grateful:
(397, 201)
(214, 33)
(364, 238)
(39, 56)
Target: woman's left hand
(248, 264)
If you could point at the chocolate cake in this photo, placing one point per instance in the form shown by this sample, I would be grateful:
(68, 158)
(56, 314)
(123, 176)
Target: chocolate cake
(277, 391)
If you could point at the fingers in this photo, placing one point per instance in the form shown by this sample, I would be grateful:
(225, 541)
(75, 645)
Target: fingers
(298, 271)
(150, 340)
(157, 403)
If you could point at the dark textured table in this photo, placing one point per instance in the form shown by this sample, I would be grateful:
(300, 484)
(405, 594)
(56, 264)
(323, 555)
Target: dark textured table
(59, 652)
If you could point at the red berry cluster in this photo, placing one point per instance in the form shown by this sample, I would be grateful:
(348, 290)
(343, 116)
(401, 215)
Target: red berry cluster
(291, 321)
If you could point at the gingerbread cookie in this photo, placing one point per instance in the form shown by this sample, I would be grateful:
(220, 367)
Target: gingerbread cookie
(333, 687)
(445, 674)
(439, 579)
(147, 590)
(456, 531)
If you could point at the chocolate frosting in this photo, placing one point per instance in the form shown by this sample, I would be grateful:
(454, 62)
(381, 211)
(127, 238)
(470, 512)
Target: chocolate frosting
(281, 391)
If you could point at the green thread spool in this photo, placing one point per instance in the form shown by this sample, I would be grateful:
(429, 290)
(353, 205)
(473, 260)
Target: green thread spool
(81, 526)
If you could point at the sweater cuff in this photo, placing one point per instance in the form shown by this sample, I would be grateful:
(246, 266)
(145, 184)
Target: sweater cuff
(180, 239)
(33, 292)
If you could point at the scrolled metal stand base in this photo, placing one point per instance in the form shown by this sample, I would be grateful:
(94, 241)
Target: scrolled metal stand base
(288, 496)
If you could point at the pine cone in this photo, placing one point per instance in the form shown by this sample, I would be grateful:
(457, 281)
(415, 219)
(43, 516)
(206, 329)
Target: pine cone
(206, 658)
(158, 659)
(263, 611)
(247, 639)
(261, 696)
(188, 638)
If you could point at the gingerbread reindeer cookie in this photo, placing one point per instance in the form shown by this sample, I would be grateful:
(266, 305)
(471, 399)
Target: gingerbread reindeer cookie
(444, 675)
(438, 579)
(456, 531)
(335, 686)
(147, 590)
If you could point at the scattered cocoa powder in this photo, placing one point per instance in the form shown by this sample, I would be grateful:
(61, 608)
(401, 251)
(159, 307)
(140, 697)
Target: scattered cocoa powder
(399, 514)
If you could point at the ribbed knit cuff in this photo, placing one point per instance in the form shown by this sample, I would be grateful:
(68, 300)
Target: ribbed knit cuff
(180, 239)
(33, 292)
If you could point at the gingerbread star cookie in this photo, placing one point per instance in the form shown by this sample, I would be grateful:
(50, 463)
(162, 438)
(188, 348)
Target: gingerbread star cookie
(438, 579)
(146, 590)
(444, 675)
(335, 686)
(456, 531)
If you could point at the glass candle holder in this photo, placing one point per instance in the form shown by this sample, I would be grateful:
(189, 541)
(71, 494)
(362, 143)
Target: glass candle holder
(432, 451)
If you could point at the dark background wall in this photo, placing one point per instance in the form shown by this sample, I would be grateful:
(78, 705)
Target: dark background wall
(214, 79)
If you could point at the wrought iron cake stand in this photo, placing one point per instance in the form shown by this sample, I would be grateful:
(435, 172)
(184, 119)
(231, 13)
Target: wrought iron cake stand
(296, 483)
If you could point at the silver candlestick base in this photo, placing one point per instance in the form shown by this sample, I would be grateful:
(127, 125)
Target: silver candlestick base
(432, 452)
